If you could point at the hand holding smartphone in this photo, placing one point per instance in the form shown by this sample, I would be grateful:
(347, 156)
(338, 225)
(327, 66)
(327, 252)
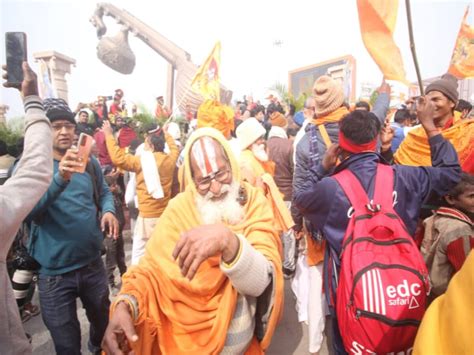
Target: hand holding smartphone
(84, 146)
(15, 49)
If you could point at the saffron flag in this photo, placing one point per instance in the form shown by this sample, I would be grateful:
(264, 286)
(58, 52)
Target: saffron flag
(207, 79)
(462, 60)
(377, 20)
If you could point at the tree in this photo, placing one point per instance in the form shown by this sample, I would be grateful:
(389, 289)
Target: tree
(12, 131)
(287, 98)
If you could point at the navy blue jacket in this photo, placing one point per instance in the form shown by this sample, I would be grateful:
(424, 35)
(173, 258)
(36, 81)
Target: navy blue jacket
(322, 201)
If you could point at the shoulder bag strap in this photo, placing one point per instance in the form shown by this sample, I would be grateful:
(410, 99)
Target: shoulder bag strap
(353, 189)
(383, 192)
(91, 170)
(325, 135)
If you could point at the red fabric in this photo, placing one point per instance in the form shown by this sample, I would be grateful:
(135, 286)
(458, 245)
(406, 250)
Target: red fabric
(452, 212)
(104, 158)
(374, 306)
(126, 136)
(419, 233)
(456, 253)
(468, 165)
(115, 108)
(100, 112)
(449, 123)
(347, 145)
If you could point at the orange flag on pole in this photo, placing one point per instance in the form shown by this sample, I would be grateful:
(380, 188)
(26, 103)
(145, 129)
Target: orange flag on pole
(207, 79)
(377, 22)
(462, 60)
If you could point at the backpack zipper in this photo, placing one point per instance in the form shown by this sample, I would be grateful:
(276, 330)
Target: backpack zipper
(372, 240)
(394, 323)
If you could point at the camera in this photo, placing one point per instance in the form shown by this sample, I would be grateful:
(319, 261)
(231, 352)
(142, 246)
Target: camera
(21, 282)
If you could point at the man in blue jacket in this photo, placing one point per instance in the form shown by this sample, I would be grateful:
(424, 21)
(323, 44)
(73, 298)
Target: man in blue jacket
(66, 239)
(329, 109)
(322, 201)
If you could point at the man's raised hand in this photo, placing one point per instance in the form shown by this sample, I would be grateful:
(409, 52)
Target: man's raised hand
(107, 128)
(29, 85)
(425, 113)
(330, 158)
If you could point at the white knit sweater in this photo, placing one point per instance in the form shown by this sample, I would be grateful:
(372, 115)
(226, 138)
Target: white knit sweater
(250, 275)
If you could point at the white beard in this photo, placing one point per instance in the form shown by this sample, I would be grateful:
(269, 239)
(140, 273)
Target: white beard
(259, 151)
(228, 210)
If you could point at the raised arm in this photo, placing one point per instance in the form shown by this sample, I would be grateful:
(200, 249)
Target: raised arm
(33, 174)
(118, 156)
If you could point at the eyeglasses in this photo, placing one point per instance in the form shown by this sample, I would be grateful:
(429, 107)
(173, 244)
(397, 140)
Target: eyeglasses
(60, 126)
(220, 176)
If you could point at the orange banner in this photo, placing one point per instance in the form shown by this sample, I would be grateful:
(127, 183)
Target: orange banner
(377, 22)
(462, 60)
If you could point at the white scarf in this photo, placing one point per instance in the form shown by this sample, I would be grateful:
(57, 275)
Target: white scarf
(151, 175)
(277, 131)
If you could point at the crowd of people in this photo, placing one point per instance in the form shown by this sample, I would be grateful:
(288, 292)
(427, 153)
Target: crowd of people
(367, 210)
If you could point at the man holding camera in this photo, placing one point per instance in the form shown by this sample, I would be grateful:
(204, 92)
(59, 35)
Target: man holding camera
(66, 239)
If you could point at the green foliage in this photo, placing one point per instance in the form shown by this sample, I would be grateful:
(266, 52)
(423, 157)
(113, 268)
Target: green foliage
(145, 118)
(373, 98)
(12, 131)
(288, 98)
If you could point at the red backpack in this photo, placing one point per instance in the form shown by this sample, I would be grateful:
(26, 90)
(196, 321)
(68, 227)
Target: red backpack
(383, 280)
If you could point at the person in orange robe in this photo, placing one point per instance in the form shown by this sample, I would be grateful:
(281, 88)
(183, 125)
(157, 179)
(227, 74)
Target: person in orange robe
(161, 110)
(210, 281)
(254, 161)
(415, 149)
(257, 169)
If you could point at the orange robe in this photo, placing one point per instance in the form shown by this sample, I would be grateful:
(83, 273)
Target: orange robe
(447, 326)
(415, 149)
(252, 169)
(178, 316)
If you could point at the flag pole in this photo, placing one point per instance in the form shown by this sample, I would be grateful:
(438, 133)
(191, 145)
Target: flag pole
(412, 47)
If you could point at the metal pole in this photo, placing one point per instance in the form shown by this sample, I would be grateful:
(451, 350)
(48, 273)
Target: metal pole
(412, 47)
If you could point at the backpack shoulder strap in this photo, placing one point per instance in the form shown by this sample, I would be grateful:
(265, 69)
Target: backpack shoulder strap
(384, 186)
(353, 189)
(91, 170)
(325, 135)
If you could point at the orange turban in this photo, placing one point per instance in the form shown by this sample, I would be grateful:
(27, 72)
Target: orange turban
(277, 119)
(213, 114)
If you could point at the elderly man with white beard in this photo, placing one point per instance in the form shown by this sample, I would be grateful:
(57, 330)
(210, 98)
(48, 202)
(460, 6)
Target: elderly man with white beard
(257, 169)
(210, 280)
(254, 161)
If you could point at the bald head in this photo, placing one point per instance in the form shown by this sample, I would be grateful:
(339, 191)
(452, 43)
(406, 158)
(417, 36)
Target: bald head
(309, 108)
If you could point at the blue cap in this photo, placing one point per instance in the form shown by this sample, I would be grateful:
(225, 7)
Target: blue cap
(298, 118)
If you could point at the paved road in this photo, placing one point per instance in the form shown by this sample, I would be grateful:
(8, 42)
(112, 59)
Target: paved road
(290, 336)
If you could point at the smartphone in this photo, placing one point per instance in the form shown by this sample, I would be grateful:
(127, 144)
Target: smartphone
(15, 49)
(84, 146)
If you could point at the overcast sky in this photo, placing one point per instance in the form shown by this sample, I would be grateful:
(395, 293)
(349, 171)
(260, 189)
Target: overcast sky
(310, 32)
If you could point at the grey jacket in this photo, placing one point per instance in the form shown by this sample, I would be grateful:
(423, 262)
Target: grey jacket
(302, 159)
(18, 196)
